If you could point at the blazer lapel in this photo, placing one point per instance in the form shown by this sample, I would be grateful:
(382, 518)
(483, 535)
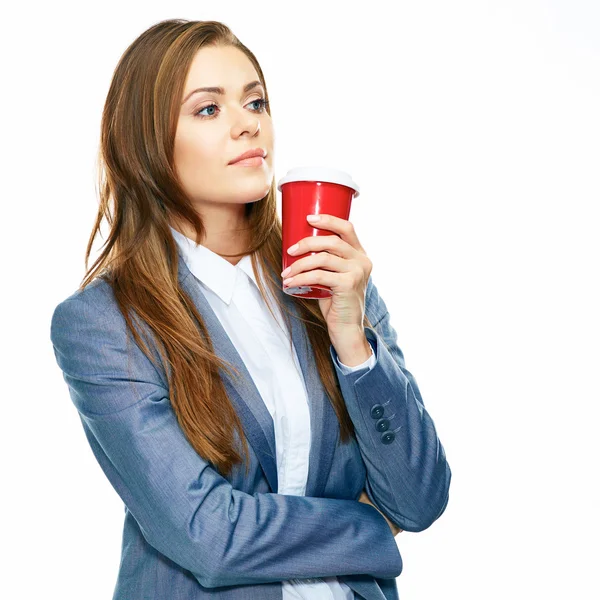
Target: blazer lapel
(324, 423)
(255, 417)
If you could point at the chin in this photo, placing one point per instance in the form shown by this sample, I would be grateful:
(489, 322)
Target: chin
(251, 191)
(255, 198)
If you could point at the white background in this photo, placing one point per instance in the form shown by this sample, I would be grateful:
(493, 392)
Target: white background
(473, 131)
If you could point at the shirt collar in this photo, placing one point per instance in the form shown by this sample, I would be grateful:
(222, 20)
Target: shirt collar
(212, 270)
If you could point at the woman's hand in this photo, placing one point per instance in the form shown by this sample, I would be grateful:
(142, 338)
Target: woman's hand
(365, 500)
(340, 263)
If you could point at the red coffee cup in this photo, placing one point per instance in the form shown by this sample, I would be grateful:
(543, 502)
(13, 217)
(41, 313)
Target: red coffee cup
(311, 191)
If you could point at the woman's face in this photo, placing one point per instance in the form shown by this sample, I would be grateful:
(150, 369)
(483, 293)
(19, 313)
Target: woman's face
(213, 129)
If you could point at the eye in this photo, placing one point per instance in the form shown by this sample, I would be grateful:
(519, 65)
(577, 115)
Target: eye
(263, 103)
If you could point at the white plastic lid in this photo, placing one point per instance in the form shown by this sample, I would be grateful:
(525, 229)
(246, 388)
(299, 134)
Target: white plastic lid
(326, 174)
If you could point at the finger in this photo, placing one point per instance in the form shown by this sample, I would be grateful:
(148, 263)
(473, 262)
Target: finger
(323, 260)
(332, 243)
(337, 282)
(342, 227)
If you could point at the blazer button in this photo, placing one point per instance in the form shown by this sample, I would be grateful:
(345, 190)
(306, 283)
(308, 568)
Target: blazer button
(382, 425)
(377, 411)
(388, 437)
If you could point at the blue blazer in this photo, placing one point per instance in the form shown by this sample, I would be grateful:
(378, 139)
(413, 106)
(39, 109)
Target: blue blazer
(190, 532)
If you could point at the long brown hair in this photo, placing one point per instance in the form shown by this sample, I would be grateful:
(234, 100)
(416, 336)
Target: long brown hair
(139, 194)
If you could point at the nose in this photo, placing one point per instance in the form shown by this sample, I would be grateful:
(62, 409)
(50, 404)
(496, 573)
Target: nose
(250, 124)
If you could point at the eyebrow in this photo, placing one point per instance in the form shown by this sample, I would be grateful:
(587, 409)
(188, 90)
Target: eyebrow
(219, 90)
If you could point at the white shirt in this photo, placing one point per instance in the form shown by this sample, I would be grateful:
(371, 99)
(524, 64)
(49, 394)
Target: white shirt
(264, 346)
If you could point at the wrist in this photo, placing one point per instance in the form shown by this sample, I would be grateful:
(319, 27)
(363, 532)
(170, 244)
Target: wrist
(352, 349)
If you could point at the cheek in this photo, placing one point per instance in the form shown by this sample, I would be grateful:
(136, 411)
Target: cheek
(196, 153)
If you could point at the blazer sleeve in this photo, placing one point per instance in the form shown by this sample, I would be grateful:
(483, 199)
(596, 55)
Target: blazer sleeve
(408, 476)
(184, 507)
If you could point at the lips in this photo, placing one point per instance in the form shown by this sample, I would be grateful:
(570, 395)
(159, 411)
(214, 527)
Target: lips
(249, 154)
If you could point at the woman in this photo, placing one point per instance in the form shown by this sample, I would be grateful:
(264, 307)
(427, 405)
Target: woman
(221, 499)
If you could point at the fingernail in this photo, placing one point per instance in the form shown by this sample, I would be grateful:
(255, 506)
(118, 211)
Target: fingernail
(292, 248)
(284, 273)
(312, 218)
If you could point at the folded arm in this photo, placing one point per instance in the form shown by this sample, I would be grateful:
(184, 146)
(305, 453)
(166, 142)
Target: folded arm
(184, 508)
